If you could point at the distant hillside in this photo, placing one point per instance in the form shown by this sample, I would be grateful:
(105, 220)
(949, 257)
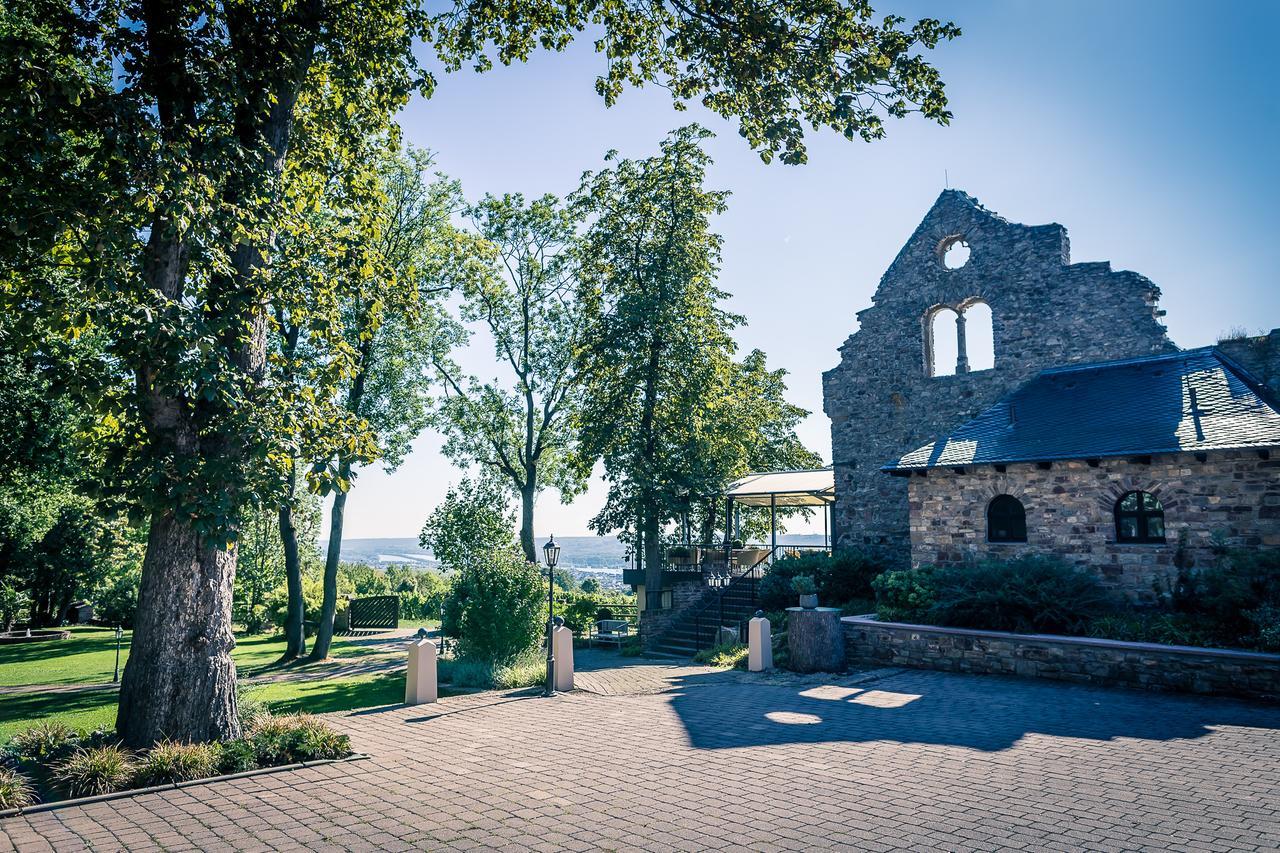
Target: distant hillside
(596, 553)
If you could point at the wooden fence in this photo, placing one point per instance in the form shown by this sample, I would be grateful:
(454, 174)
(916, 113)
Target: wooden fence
(378, 611)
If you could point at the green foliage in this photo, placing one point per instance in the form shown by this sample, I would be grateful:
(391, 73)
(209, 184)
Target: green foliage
(16, 790)
(237, 756)
(726, 655)
(96, 770)
(520, 431)
(1031, 594)
(499, 602)
(1237, 594)
(169, 762)
(296, 737)
(803, 585)
(590, 586)
(12, 603)
(44, 743)
(775, 68)
(471, 522)
(842, 577)
(631, 648)
(581, 610)
(259, 596)
(117, 601)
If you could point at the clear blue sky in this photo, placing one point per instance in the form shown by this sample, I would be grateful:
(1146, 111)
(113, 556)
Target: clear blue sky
(1148, 129)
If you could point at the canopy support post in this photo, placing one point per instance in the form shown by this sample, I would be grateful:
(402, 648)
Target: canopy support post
(773, 527)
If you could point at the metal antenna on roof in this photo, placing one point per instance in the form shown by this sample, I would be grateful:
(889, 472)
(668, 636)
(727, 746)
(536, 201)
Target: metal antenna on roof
(946, 180)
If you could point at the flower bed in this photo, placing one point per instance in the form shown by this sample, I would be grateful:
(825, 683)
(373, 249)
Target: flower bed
(51, 762)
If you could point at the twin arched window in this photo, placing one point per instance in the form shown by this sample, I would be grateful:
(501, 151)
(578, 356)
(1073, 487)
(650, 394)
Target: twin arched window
(1006, 520)
(1139, 518)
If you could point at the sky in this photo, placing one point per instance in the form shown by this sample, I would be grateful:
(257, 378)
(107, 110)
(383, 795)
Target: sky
(1148, 129)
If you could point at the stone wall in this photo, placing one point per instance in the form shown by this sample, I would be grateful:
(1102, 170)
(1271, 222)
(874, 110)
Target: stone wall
(685, 594)
(1046, 312)
(1082, 660)
(1234, 495)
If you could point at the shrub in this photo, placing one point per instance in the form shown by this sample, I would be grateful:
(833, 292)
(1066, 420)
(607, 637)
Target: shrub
(1026, 594)
(99, 770)
(168, 762)
(1234, 593)
(44, 743)
(296, 737)
(527, 671)
(841, 577)
(237, 756)
(803, 585)
(631, 648)
(498, 607)
(1266, 623)
(906, 594)
(16, 792)
(1176, 629)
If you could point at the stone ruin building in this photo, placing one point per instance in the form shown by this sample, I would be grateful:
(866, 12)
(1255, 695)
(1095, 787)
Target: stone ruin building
(899, 407)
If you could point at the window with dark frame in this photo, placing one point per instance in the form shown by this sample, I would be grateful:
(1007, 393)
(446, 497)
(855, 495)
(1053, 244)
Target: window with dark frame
(1006, 520)
(1139, 518)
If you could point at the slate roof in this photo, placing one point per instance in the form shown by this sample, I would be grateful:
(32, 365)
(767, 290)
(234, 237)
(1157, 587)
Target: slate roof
(1188, 401)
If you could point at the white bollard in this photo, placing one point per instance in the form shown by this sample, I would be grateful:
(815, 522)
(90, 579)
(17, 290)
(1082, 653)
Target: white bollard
(760, 645)
(420, 680)
(562, 645)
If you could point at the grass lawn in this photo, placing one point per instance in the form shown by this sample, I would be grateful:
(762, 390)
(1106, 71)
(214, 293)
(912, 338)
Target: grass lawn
(91, 708)
(88, 657)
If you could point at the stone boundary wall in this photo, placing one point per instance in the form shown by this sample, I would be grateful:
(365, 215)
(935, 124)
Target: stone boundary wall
(1083, 660)
(685, 595)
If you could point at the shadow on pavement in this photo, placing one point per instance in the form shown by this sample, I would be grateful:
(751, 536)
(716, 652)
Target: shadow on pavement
(981, 712)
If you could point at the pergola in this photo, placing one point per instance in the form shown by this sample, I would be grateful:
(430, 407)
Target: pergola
(810, 487)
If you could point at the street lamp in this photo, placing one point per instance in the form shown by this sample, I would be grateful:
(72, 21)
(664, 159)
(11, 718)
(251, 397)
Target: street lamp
(119, 634)
(551, 555)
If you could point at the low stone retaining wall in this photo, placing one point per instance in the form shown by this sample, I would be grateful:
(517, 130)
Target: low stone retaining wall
(1080, 659)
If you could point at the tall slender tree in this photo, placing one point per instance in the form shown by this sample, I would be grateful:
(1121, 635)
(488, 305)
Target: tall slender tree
(521, 429)
(657, 349)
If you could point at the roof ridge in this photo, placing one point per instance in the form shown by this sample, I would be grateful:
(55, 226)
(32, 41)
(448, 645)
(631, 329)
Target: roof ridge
(1121, 362)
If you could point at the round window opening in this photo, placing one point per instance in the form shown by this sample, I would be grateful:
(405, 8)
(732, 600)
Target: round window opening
(954, 252)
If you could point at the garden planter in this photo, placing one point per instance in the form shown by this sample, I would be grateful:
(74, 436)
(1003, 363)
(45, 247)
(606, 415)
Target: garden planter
(809, 602)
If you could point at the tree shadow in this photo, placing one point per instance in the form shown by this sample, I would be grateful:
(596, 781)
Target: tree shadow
(988, 713)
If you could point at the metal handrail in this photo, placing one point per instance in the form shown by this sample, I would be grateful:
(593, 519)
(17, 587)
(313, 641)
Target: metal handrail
(754, 573)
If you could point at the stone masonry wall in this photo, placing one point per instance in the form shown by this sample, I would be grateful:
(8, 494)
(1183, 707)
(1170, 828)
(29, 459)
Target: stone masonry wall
(1046, 312)
(1069, 508)
(1078, 659)
(685, 595)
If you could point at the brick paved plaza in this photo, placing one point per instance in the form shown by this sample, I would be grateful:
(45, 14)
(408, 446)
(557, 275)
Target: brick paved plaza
(685, 758)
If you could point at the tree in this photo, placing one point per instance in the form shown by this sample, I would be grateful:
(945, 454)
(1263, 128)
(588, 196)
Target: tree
(590, 586)
(471, 521)
(391, 325)
(657, 351)
(529, 307)
(260, 567)
(143, 183)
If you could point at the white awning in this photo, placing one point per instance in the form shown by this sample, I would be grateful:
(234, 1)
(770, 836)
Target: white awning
(814, 487)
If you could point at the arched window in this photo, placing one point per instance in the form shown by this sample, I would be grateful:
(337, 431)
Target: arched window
(1139, 518)
(980, 349)
(1006, 520)
(942, 351)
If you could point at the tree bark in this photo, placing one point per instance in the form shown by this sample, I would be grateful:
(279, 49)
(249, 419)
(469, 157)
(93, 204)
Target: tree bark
(329, 603)
(528, 494)
(295, 619)
(180, 680)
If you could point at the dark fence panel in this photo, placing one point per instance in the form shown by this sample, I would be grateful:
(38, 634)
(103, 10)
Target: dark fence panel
(378, 611)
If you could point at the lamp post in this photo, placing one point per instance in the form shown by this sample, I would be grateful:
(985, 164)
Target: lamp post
(551, 555)
(119, 634)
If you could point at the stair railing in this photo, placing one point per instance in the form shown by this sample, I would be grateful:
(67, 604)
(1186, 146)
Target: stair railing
(752, 574)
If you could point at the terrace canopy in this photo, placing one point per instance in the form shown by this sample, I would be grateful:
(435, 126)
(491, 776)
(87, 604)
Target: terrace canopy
(811, 487)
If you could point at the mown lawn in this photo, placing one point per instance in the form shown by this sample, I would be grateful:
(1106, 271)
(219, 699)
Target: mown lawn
(91, 708)
(88, 657)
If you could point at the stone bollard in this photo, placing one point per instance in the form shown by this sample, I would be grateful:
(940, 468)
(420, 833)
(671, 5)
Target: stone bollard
(420, 679)
(562, 644)
(760, 644)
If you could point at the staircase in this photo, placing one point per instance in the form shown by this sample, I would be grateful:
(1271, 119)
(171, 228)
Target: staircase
(695, 629)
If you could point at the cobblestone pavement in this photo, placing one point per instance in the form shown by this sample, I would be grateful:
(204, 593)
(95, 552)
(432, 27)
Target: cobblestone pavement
(880, 760)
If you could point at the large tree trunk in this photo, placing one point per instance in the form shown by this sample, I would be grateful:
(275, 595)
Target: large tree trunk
(180, 680)
(329, 604)
(528, 494)
(652, 554)
(295, 618)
